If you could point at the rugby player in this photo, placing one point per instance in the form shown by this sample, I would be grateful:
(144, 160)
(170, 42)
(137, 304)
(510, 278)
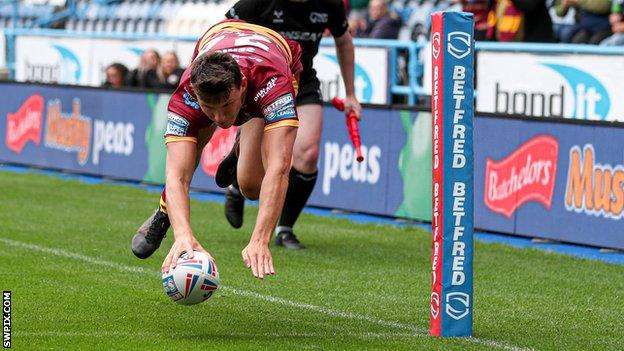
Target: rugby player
(233, 62)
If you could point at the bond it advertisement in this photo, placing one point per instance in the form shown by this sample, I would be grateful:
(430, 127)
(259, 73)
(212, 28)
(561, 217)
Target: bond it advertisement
(69, 63)
(83, 62)
(2, 49)
(570, 86)
(371, 65)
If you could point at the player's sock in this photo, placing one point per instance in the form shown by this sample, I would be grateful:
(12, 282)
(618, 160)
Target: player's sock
(300, 188)
(282, 228)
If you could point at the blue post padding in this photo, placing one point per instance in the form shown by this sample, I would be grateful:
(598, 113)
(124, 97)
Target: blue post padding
(458, 72)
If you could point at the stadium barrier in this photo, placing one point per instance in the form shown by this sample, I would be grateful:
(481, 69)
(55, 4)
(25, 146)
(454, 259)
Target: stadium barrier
(549, 178)
(3, 51)
(566, 80)
(80, 58)
(546, 80)
(580, 79)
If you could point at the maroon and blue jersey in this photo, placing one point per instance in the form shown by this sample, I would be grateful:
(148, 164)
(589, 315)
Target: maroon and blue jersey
(270, 63)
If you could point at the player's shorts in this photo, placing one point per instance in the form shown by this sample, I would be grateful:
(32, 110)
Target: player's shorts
(309, 89)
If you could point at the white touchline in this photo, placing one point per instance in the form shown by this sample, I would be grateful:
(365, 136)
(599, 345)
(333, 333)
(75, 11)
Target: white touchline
(416, 331)
(52, 333)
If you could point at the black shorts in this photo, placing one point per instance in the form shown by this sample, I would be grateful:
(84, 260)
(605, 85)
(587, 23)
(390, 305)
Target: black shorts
(309, 90)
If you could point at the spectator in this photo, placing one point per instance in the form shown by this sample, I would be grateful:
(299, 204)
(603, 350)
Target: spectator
(381, 23)
(150, 60)
(561, 25)
(167, 75)
(592, 21)
(479, 8)
(116, 74)
(415, 15)
(520, 20)
(616, 19)
(358, 7)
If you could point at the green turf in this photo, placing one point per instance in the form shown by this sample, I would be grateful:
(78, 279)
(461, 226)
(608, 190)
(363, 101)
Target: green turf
(357, 286)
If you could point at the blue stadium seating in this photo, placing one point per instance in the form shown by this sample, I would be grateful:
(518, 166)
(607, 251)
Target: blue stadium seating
(176, 17)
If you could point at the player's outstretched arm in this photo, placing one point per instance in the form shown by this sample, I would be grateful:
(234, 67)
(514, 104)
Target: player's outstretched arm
(346, 60)
(179, 173)
(277, 145)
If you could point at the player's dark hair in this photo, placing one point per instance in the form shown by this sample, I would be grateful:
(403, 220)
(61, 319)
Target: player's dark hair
(213, 75)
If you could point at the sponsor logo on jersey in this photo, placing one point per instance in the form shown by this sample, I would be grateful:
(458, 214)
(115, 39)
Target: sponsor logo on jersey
(176, 125)
(282, 108)
(277, 16)
(189, 100)
(262, 92)
(302, 36)
(318, 17)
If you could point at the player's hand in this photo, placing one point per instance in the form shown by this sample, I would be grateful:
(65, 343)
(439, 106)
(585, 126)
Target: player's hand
(352, 103)
(186, 243)
(257, 257)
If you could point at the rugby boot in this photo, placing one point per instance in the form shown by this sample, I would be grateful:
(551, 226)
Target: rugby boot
(287, 239)
(226, 172)
(149, 236)
(234, 206)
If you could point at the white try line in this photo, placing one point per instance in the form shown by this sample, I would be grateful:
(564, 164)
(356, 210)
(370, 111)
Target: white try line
(104, 333)
(414, 330)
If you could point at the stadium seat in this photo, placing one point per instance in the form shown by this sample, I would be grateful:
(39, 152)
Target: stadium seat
(99, 25)
(119, 25)
(154, 9)
(140, 25)
(130, 26)
(109, 25)
(150, 26)
(70, 24)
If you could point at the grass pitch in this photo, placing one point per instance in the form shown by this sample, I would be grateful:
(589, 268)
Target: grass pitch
(65, 255)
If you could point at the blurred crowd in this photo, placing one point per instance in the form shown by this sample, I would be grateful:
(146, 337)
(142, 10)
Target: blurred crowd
(153, 72)
(566, 21)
